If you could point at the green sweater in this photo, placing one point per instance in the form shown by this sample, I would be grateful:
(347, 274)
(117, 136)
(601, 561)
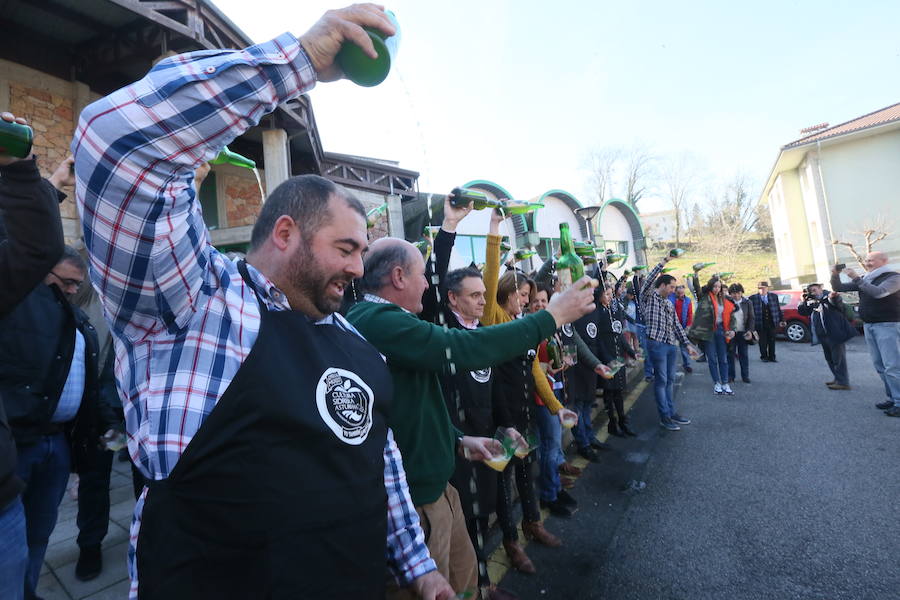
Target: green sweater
(417, 352)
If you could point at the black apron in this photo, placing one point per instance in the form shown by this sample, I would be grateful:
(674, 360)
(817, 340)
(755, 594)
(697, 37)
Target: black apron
(609, 344)
(280, 494)
(475, 391)
(582, 380)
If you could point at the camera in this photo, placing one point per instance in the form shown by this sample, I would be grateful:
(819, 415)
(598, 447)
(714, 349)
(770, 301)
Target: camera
(840, 267)
(810, 298)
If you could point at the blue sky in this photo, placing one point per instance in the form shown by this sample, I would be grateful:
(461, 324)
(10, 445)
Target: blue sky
(520, 92)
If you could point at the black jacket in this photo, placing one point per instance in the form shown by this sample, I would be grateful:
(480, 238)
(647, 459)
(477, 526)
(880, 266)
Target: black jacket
(31, 242)
(873, 308)
(830, 324)
(37, 344)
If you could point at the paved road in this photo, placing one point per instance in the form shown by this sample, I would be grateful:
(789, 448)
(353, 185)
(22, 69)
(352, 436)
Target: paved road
(786, 490)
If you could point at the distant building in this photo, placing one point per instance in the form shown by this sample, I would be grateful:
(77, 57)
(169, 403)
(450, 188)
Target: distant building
(616, 227)
(829, 185)
(659, 226)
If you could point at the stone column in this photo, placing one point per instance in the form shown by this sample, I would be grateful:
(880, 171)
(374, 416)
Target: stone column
(395, 217)
(276, 156)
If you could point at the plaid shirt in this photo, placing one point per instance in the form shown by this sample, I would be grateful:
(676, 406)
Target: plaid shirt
(183, 318)
(659, 314)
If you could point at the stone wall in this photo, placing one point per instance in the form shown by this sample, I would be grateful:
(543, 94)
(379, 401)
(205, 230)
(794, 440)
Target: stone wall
(242, 198)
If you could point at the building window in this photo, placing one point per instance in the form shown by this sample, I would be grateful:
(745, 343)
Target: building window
(548, 248)
(471, 248)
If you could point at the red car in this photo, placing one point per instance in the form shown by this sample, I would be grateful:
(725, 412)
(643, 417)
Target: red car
(796, 325)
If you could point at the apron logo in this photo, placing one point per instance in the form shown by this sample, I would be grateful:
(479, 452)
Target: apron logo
(567, 330)
(592, 329)
(617, 326)
(345, 404)
(481, 375)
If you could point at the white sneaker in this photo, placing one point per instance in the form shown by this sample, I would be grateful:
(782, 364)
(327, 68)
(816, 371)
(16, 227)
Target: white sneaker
(727, 389)
(717, 388)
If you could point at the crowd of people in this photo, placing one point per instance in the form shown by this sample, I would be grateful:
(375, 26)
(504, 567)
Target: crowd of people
(331, 416)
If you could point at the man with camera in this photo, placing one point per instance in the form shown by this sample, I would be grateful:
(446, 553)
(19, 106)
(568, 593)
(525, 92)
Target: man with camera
(830, 328)
(879, 308)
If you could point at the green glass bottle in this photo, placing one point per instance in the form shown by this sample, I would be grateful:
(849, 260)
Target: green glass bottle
(514, 207)
(374, 215)
(226, 156)
(584, 249)
(676, 252)
(569, 267)
(637, 268)
(615, 257)
(523, 254)
(462, 196)
(725, 275)
(359, 67)
(424, 246)
(668, 269)
(504, 246)
(555, 353)
(702, 265)
(15, 139)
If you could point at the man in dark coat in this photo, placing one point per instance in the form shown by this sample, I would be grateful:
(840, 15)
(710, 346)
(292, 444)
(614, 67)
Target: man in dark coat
(48, 380)
(830, 328)
(768, 317)
(31, 242)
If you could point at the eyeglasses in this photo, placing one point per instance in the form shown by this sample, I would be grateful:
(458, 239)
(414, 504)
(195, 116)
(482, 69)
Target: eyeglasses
(76, 283)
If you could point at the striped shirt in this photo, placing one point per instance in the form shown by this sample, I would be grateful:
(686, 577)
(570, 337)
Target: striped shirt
(659, 314)
(183, 318)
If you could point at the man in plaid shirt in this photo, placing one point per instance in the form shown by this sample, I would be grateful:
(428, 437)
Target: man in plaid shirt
(664, 332)
(257, 412)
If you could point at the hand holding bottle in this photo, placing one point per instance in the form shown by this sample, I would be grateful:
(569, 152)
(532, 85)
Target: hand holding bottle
(6, 159)
(453, 214)
(324, 39)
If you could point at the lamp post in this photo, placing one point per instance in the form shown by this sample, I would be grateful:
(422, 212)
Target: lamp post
(588, 213)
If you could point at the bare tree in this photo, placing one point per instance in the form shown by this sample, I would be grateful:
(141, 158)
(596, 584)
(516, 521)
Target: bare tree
(873, 231)
(679, 176)
(602, 166)
(639, 166)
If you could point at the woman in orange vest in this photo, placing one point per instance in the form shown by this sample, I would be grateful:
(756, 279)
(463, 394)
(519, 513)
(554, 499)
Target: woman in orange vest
(713, 327)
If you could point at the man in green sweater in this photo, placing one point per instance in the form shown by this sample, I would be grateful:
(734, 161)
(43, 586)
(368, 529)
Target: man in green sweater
(417, 352)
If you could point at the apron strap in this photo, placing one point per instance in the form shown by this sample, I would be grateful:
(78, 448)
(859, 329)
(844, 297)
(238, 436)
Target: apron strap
(245, 274)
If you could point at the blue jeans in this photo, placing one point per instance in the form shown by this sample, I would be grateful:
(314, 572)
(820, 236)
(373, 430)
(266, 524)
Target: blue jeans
(717, 356)
(551, 455)
(13, 551)
(685, 356)
(583, 432)
(664, 358)
(44, 467)
(642, 340)
(884, 347)
(738, 347)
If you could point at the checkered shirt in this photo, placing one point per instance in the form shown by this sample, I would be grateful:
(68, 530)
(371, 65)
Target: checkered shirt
(183, 318)
(659, 314)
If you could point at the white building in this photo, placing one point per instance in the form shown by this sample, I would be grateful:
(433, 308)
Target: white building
(659, 226)
(616, 226)
(829, 186)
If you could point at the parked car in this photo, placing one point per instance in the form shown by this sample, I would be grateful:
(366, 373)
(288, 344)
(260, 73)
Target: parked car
(797, 326)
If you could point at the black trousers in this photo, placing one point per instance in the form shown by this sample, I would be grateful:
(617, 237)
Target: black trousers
(836, 357)
(767, 339)
(522, 469)
(93, 500)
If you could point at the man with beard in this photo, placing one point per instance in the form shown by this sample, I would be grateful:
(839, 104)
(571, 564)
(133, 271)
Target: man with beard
(258, 415)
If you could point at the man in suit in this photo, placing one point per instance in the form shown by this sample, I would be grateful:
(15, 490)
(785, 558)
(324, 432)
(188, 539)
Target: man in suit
(768, 316)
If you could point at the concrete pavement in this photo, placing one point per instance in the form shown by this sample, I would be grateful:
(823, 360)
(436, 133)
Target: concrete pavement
(785, 490)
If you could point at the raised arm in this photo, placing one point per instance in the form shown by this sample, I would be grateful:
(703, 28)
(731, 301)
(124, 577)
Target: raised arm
(34, 242)
(136, 151)
(647, 288)
(542, 387)
(492, 311)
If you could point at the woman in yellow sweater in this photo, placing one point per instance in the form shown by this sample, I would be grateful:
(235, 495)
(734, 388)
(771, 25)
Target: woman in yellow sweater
(506, 298)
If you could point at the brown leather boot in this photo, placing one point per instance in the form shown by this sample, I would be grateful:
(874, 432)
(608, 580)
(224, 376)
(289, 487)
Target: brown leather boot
(534, 530)
(517, 557)
(569, 469)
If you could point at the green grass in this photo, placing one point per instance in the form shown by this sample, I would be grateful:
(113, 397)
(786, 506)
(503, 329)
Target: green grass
(752, 264)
